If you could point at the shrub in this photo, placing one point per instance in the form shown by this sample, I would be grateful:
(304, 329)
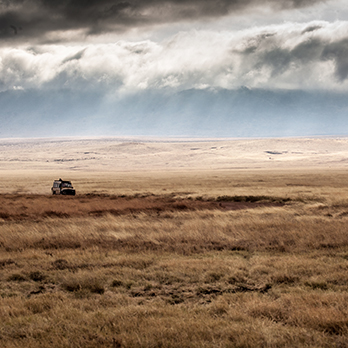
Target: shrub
(83, 283)
(37, 276)
(16, 277)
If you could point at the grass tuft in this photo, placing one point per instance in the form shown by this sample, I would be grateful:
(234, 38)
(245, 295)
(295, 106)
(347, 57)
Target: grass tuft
(83, 283)
(16, 277)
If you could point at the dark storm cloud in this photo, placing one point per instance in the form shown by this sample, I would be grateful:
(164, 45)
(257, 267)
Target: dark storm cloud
(282, 52)
(279, 59)
(338, 52)
(38, 17)
(311, 28)
(75, 56)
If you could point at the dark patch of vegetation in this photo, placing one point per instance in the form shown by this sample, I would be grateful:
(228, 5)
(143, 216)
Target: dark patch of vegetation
(60, 264)
(16, 277)
(37, 276)
(284, 279)
(252, 199)
(6, 262)
(51, 213)
(4, 216)
(180, 207)
(317, 285)
(91, 285)
(117, 283)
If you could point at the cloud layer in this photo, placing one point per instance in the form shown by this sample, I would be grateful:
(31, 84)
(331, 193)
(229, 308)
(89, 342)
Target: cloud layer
(292, 56)
(39, 19)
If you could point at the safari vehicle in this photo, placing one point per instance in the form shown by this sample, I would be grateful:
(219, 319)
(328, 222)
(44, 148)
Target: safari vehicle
(62, 187)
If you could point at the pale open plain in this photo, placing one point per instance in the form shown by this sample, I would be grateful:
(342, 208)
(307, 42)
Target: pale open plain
(131, 154)
(174, 243)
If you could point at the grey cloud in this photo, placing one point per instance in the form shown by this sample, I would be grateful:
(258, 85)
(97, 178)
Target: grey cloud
(15, 29)
(338, 52)
(311, 28)
(308, 50)
(272, 51)
(38, 17)
(76, 56)
(279, 59)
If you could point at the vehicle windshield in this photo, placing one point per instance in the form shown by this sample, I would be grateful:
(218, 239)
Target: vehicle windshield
(66, 184)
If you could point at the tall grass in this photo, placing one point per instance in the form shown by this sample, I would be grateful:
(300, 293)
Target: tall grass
(263, 277)
(262, 229)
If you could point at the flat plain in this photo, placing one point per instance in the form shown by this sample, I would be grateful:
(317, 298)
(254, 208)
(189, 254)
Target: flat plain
(174, 243)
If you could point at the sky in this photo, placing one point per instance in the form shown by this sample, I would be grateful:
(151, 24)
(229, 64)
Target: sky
(179, 68)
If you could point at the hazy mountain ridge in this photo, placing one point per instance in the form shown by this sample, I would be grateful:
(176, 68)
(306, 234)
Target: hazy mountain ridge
(196, 112)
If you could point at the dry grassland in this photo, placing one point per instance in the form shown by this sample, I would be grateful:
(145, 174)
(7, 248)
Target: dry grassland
(177, 259)
(174, 244)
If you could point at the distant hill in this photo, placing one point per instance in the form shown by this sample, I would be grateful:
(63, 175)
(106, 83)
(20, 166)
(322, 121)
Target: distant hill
(196, 112)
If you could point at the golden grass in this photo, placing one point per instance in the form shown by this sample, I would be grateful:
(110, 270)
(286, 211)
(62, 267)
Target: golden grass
(206, 277)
